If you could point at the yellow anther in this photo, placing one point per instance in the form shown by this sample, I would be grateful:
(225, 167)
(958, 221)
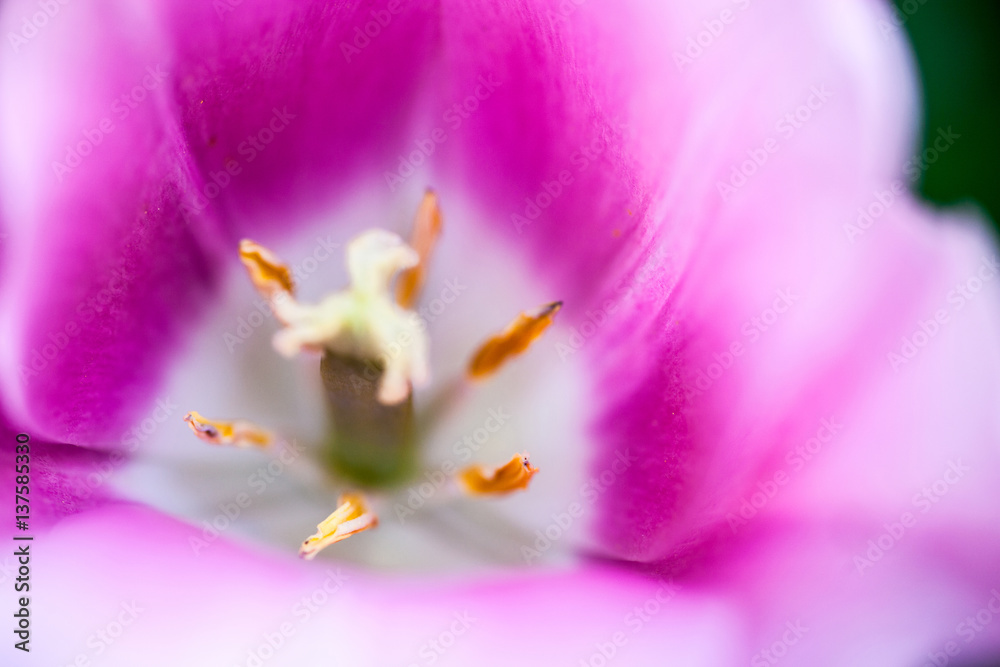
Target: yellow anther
(514, 340)
(238, 433)
(269, 275)
(352, 516)
(426, 230)
(511, 476)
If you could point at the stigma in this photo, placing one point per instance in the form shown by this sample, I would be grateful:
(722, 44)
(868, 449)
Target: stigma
(361, 322)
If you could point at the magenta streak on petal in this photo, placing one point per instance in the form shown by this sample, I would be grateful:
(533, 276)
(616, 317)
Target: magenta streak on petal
(551, 148)
(53, 480)
(110, 260)
(335, 110)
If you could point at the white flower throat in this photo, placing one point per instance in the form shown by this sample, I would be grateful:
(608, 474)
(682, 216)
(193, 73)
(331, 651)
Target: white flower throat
(374, 351)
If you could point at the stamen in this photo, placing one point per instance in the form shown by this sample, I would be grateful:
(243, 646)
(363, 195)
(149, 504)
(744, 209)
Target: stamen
(514, 340)
(426, 230)
(268, 273)
(238, 433)
(512, 476)
(352, 516)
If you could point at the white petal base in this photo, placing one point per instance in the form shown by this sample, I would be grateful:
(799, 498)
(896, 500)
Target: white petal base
(538, 404)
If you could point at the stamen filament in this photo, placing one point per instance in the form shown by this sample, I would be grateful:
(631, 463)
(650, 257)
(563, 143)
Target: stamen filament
(426, 230)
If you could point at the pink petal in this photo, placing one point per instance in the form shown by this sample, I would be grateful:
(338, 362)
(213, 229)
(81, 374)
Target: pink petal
(793, 585)
(707, 425)
(710, 426)
(112, 237)
(108, 261)
(50, 480)
(225, 603)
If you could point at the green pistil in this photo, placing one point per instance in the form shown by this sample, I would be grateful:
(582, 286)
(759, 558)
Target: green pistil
(372, 444)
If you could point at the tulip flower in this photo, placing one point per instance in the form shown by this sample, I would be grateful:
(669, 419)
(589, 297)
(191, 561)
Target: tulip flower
(669, 367)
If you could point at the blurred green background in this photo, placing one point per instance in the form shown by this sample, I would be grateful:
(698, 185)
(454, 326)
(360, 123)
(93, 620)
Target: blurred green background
(958, 49)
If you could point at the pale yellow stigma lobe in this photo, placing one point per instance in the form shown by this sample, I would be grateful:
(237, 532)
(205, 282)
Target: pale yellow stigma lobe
(351, 517)
(362, 322)
(512, 341)
(238, 433)
(426, 230)
(512, 476)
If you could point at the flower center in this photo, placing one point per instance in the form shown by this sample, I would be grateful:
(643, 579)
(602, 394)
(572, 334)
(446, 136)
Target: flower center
(373, 352)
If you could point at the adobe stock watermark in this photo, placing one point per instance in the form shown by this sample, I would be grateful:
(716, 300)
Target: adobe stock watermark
(263, 310)
(463, 451)
(57, 340)
(794, 631)
(436, 306)
(882, 200)
(550, 190)
(595, 318)
(121, 108)
(40, 358)
(786, 127)
(702, 379)
(453, 118)
(900, 15)
(795, 459)
(958, 297)
(563, 11)
(704, 39)
(421, 318)
(363, 36)
(163, 409)
(230, 511)
(223, 7)
(588, 494)
(967, 629)
(435, 647)
(303, 610)
(635, 620)
(923, 501)
(102, 639)
(249, 149)
(362, 382)
(8, 568)
(32, 24)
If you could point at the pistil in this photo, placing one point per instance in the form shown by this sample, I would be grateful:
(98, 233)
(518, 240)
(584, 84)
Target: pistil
(372, 443)
(373, 353)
